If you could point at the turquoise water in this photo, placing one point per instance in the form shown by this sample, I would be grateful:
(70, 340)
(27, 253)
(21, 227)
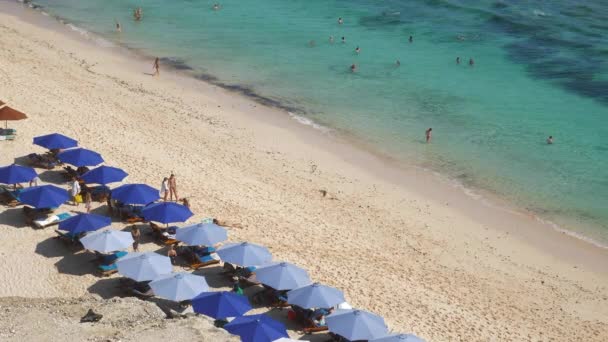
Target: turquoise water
(540, 69)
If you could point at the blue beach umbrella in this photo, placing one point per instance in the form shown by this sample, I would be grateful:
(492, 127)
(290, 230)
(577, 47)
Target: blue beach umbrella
(84, 223)
(315, 296)
(166, 212)
(179, 286)
(44, 196)
(107, 241)
(205, 234)
(220, 305)
(80, 157)
(141, 194)
(282, 276)
(356, 324)
(244, 254)
(55, 141)
(14, 174)
(104, 175)
(256, 328)
(144, 266)
(398, 338)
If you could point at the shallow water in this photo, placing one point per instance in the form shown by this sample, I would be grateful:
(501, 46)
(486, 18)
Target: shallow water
(540, 69)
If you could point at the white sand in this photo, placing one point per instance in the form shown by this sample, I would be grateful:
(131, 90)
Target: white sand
(398, 241)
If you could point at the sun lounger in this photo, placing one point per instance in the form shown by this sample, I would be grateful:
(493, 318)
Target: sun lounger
(106, 270)
(162, 236)
(51, 220)
(68, 237)
(9, 197)
(271, 298)
(7, 137)
(8, 131)
(43, 161)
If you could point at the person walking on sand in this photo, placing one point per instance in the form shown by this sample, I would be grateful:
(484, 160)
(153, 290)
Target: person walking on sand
(74, 190)
(164, 189)
(136, 234)
(550, 140)
(173, 188)
(156, 67)
(428, 134)
(87, 201)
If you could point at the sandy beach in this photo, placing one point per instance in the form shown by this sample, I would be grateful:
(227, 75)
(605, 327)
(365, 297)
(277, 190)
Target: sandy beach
(399, 241)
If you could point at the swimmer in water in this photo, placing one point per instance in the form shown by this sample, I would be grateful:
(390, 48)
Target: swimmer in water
(340, 21)
(358, 50)
(411, 39)
(353, 68)
(398, 63)
(138, 14)
(331, 39)
(457, 60)
(343, 40)
(429, 134)
(471, 62)
(550, 140)
(216, 7)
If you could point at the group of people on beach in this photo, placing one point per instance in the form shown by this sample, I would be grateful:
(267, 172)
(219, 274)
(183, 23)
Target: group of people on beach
(168, 188)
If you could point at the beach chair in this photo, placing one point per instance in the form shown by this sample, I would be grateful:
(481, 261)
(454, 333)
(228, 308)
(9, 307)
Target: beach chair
(8, 131)
(9, 197)
(162, 236)
(108, 259)
(68, 237)
(31, 214)
(106, 270)
(130, 214)
(306, 319)
(196, 261)
(270, 297)
(42, 161)
(7, 137)
(51, 220)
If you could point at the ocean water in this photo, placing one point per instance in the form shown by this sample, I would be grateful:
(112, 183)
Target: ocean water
(541, 68)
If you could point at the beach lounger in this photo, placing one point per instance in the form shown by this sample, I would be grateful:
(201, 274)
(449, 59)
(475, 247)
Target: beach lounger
(9, 197)
(8, 131)
(271, 297)
(51, 220)
(162, 235)
(68, 237)
(7, 137)
(106, 270)
(42, 161)
(203, 260)
(107, 259)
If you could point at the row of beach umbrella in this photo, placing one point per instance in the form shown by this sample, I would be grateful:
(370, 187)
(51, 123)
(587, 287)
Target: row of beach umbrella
(157, 269)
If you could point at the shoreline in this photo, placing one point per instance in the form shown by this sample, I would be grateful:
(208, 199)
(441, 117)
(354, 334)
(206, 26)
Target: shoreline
(421, 215)
(485, 197)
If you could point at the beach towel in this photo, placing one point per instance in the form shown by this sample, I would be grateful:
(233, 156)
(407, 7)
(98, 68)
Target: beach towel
(53, 219)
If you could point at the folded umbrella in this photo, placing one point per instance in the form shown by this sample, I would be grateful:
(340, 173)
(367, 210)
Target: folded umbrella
(141, 194)
(244, 254)
(202, 234)
(398, 338)
(80, 157)
(315, 296)
(55, 141)
(356, 324)
(107, 241)
(14, 174)
(166, 212)
(104, 175)
(282, 276)
(220, 305)
(144, 266)
(84, 223)
(256, 328)
(44, 196)
(179, 286)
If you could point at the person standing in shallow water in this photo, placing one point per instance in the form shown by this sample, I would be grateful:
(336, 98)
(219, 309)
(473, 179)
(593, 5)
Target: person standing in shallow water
(411, 39)
(550, 140)
(340, 21)
(471, 62)
(457, 60)
(429, 134)
(156, 67)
